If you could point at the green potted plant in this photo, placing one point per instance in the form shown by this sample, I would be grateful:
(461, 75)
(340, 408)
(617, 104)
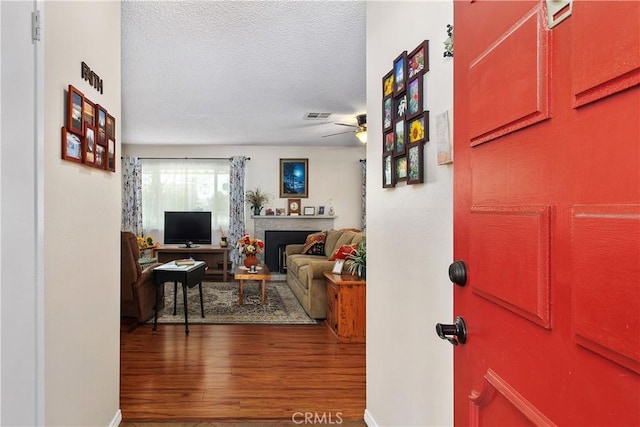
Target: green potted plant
(257, 199)
(357, 261)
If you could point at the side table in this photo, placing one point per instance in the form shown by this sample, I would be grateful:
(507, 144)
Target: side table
(346, 306)
(189, 276)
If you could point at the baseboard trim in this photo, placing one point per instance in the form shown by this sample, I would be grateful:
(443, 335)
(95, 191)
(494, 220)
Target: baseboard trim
(117, 419)
(368, 419)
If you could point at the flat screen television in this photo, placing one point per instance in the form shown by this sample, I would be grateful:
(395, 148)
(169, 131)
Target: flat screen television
(187, 228)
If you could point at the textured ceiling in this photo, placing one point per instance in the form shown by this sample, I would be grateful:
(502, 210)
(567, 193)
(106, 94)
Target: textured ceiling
(241, 72)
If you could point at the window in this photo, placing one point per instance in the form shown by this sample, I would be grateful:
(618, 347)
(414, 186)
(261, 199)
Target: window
(184, 185)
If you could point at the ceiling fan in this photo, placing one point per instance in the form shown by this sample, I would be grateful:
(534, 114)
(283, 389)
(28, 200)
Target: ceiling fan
(360, 131)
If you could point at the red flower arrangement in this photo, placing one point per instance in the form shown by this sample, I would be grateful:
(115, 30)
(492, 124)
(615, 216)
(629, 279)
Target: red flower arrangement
(247, 245)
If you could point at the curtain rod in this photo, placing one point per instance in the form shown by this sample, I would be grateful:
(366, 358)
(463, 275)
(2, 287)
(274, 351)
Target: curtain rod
(185, 158)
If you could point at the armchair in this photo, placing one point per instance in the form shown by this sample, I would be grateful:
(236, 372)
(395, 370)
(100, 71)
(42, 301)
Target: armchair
(137, 290)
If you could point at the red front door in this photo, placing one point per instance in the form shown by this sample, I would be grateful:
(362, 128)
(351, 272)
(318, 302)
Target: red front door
(547, 213)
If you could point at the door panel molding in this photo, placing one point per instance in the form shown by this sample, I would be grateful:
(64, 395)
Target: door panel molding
(494, 386)
(509, 82)
(602, 239)
(521, 237)
(590, 80)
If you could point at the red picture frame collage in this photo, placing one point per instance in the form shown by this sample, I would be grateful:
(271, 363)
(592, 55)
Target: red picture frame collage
(405, 121)
(89, 135)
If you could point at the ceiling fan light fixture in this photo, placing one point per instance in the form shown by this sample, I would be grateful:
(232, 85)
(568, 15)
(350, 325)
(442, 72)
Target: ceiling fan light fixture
(361, 134)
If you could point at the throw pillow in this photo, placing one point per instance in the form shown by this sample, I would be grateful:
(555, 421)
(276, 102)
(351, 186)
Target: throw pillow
(342, 252)
(314, 244)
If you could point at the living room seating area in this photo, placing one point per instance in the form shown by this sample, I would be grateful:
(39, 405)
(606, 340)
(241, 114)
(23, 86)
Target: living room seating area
(307, 262)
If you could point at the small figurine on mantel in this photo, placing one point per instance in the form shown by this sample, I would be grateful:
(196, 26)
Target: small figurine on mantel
(332, 211)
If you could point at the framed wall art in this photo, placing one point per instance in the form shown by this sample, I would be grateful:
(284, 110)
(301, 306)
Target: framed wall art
(387, 84)
(389, 142)
(111, 127)
(400, 73)
(415, 168)
(294, 178)
(400, 106)
(387, 171)
(101, 156)
(75, 108)
(89, 134)
(89, 112)
(111, 155)
(418, 60)
(418, 129)
(71, 146)
(405, 123)
(414, 96)
(444, 130)
(101, 125)
(387, 113)
(399, 136)
(401, 168)
(89, 144)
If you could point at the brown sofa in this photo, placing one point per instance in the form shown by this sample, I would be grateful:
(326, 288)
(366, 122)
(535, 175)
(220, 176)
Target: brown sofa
(137, 290)
(304, 272)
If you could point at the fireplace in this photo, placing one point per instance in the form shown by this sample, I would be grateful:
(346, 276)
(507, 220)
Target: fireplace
(284, 230)
(275, 242)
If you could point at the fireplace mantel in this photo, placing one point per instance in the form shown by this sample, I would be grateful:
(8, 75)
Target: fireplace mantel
(261, 223)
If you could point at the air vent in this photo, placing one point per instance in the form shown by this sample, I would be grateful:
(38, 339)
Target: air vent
(316, 116)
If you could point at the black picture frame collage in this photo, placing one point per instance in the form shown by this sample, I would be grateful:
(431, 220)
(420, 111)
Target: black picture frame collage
(405, 120)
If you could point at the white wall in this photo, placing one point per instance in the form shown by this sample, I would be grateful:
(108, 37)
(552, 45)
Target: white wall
(81, 225)
(334, 174)
(409, 236)
(20, 322)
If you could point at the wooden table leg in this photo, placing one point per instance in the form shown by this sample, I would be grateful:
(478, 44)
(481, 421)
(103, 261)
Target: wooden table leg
(175, 297)
(264, 286)
(155, 316)
(240, 293)
(186, 309)
(201, 301)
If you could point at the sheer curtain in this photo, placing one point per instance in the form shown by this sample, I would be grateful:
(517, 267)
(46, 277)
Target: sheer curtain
(184, 185)
(132, 195)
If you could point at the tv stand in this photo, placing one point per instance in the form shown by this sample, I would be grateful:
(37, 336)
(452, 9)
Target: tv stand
(216, 258)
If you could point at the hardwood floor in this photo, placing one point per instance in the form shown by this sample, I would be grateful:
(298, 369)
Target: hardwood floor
(236, 375)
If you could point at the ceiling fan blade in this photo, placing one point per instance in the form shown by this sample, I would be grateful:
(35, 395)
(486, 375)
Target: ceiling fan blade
(346, 124)
(339, 133)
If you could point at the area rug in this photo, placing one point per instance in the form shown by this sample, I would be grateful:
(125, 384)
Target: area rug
(221, 305)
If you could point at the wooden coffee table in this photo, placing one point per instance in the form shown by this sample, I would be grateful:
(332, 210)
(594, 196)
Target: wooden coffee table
(242, 273)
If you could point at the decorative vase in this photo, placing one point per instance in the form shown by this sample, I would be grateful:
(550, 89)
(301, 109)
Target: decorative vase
(223, 242)
(256, 210)
(250, 259)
